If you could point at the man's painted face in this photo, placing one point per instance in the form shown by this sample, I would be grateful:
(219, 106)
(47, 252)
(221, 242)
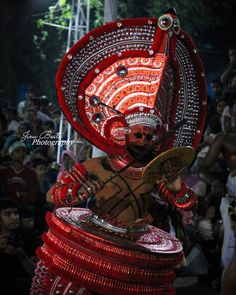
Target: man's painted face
(141, 136)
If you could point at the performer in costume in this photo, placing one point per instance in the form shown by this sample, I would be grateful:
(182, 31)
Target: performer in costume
(126, 87)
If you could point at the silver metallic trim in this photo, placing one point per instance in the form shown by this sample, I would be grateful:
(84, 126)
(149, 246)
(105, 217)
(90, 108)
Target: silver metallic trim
(101, 222)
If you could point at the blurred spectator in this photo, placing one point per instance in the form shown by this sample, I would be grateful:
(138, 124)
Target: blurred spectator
(3, 132)
(17, 267)
(49, 126)
(18, 135)
(229, 113)
(50, 108)
(230, 69)
(53, 172)
(56, 117)
(85, 150)
(49, 136)
(3, 101)
(68, 159)
(211, 110)
(228, 280)
(43, 186)
(217, 89)
(210, 234)
(232, 88)
(44, 105)
(18, 181)
(36, 104)
(12, 119)
(214, 125)
(225, 144)
(29, 232)
(39, 153)
(23, 105)
(35, 124)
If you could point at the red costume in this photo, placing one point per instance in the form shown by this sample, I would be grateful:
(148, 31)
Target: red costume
(122, 86)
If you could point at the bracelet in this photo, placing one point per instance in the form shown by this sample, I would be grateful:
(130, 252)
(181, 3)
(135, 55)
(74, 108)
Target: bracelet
(68, 198)
(183, 190)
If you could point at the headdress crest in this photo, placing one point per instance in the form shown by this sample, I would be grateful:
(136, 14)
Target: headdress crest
(121, 72)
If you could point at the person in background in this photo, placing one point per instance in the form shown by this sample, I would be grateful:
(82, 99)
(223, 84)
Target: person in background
(230, 69)
(18, 135)
(232, 88)
(229, 113)
(41, 115)
(56, 117)
(17, 181)
(217, 89)
(35, 124)
(214, 125)
(29, 232)
(23, 105)
(68, 159)
(210, 235)
(12, 119)
(39, 153)
(229, 282)
(48, 134)
(16, 265)
(3, 132)
(225, 144)
(43, 185)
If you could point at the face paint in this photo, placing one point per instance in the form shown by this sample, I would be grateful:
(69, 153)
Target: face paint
(142, 136)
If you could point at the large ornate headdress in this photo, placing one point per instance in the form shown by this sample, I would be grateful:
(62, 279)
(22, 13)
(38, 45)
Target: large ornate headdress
(133, 71)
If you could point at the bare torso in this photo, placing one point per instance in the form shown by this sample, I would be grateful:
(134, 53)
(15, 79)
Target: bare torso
(229, 150)
(225, 144)
(123, 198)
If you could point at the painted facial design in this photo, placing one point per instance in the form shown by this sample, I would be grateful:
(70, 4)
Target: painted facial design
(142, 136)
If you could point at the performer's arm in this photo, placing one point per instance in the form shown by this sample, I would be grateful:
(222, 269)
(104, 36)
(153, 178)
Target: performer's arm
(177, 193)
(172, 188)
(73, 188)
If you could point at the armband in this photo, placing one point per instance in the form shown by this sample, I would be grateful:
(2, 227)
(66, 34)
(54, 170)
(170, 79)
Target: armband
(65, 191)
(185, 199)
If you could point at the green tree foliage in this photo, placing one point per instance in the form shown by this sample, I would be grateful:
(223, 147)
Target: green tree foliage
(197, 17)
(201, 19)
(193, 15)
(58, 17)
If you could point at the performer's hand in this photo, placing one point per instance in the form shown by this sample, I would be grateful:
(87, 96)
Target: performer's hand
(169, 172)
(95, 185)
(91, 188)
(174, 185)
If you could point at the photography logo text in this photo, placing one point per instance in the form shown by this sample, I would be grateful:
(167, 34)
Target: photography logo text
(45, 138)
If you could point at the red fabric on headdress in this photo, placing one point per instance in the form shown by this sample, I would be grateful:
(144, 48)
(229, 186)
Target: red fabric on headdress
(127, 64)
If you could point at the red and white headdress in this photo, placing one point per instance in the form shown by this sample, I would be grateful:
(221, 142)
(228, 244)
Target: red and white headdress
(133, 71)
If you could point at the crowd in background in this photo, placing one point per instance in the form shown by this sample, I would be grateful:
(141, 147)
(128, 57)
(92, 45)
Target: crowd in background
(28, 170)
